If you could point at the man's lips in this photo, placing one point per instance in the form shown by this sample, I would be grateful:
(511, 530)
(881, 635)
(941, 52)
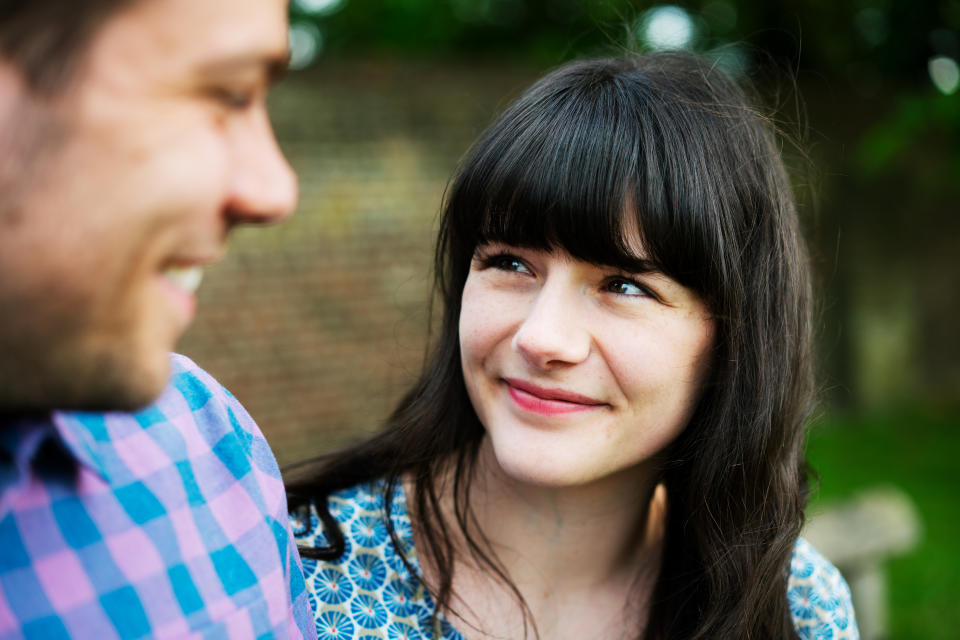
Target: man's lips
(181, 276)
(185, 272)
(189, 259)
(546, 401)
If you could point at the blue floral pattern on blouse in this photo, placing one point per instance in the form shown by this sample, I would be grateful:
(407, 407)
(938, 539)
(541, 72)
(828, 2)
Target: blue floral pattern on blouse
(369, 594)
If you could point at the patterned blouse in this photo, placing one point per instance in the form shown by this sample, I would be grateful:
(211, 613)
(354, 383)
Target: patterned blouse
(368, 593)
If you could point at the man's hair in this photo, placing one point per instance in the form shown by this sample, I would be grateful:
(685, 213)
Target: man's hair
(46, 39)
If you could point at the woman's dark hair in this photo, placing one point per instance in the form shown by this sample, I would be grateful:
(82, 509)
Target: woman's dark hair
(669, 145)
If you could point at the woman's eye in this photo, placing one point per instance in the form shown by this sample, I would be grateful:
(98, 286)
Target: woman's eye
(507, 263)
(624, 287)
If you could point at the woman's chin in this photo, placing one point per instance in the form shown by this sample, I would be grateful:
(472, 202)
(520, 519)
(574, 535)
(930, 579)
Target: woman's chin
(537, 469)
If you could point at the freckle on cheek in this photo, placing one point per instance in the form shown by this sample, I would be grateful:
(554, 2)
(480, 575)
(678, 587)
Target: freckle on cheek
(609, 432)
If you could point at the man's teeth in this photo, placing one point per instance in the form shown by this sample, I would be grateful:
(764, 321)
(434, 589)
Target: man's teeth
(186, 278)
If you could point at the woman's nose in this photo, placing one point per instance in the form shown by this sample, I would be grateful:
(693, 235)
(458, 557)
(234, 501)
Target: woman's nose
(553, 334)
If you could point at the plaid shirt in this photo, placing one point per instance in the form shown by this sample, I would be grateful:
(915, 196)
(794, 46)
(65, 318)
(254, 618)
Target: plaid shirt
(169, 522)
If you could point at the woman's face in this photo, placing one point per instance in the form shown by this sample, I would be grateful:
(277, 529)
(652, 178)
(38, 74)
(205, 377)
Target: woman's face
(578, 370)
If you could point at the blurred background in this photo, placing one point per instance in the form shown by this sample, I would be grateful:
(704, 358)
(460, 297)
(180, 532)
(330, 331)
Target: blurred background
(318, 325)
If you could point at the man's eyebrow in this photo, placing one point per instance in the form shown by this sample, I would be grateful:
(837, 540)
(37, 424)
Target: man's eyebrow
(277, 67)
(274, 65)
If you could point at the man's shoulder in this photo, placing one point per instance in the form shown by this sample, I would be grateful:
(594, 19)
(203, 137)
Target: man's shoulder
(194, 415)
(194, 385)
(183, 496)
(193, 397)
(206, 415)
(819, 596)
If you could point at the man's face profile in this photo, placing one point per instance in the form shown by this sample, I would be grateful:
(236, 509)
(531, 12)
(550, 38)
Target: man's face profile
(140, 168)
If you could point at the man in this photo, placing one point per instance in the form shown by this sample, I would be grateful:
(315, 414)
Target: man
(133, 137)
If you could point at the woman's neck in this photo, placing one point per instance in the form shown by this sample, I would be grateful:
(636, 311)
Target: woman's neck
(577, 555)
(569, 537)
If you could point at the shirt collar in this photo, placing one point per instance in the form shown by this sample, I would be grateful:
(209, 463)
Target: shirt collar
(22, 438)
(82, 435)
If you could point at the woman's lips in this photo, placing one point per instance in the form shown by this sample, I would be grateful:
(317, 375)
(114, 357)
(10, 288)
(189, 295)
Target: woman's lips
(551, 402)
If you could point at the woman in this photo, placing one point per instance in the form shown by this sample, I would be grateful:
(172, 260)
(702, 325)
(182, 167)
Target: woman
(607, 439)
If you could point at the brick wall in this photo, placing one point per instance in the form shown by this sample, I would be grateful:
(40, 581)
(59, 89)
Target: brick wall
(317, 325)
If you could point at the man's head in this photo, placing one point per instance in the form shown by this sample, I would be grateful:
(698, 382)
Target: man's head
(128, 150)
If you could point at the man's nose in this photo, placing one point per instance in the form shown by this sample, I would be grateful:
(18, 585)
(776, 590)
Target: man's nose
(553, 333)
(263, 186)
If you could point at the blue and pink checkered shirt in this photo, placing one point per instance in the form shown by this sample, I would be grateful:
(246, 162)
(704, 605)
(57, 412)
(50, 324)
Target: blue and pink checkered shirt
(169, 522)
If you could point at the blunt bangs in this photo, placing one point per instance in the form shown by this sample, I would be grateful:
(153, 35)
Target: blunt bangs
(605, 163)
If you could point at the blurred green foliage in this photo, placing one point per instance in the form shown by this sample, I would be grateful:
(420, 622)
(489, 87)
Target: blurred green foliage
(891, 38)
(916, 450)
(877, 47)
(927, 124)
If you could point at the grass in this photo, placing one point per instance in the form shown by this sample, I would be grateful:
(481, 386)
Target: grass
(917, 450)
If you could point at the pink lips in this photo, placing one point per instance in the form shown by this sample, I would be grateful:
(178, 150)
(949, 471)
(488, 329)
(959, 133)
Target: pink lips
(549, 402)
(185, 302)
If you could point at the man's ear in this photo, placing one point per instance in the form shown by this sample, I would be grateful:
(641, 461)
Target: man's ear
(13, 89)
(15, 104)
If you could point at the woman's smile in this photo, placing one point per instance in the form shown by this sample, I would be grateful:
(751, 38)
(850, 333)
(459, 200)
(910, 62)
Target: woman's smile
(549, 401)
(578, 370)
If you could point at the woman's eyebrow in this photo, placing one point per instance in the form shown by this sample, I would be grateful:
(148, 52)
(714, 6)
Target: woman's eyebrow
(638, 265)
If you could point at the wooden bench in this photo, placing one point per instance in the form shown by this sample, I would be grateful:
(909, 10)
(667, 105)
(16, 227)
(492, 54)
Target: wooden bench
(858, 535)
